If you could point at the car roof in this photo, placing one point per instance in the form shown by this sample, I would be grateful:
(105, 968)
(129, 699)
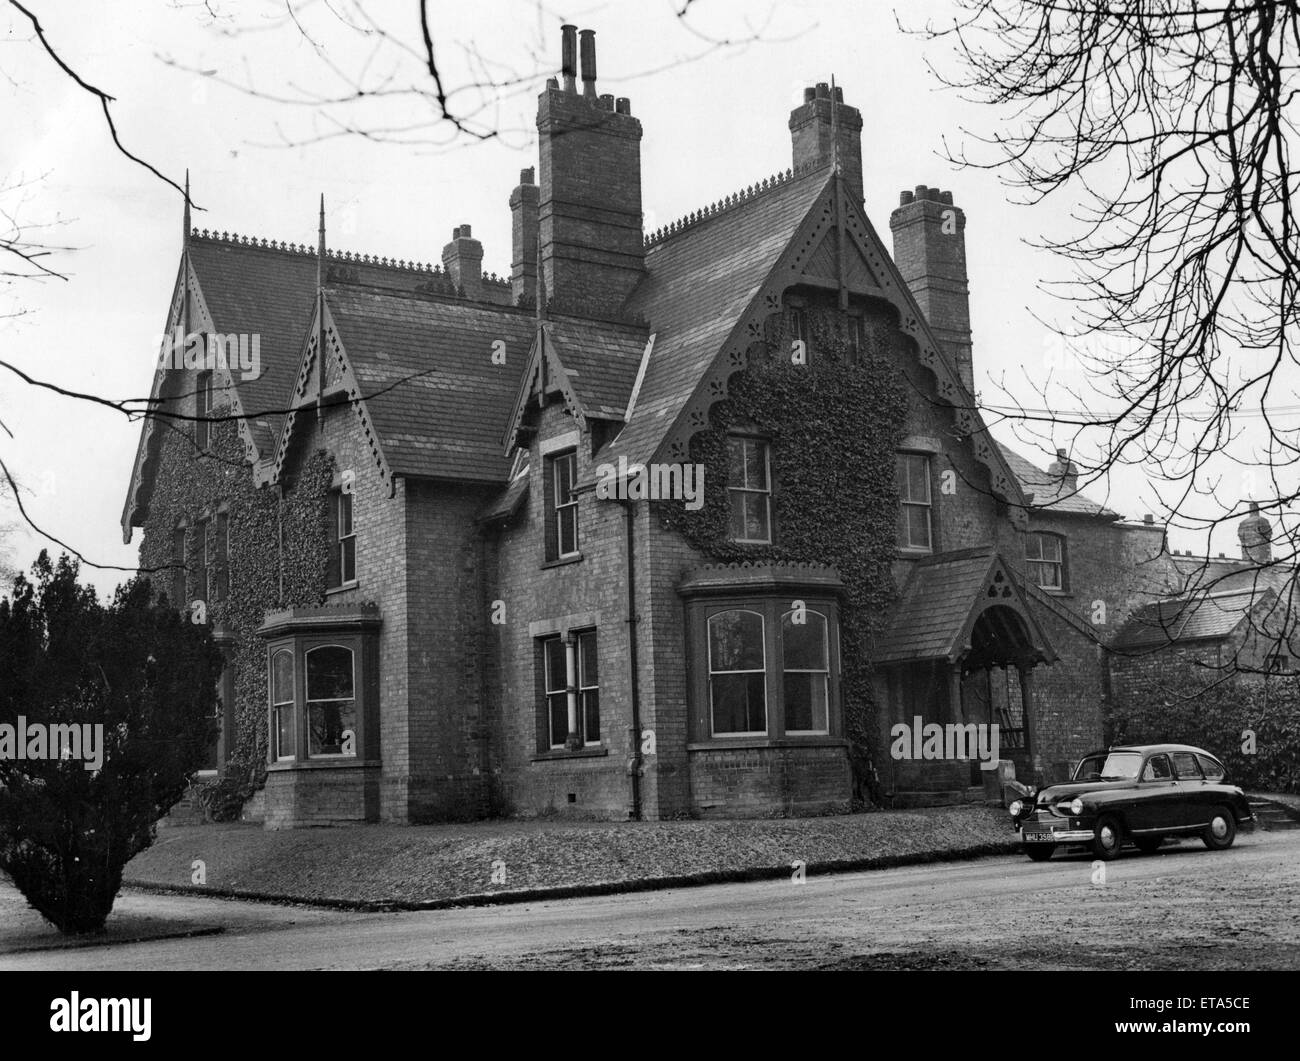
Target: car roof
(1149, 749)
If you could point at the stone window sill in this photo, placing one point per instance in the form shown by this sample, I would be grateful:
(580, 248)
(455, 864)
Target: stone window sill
(341, 763)
(561, 753)
(575, 558)
(813, 740)
(347, 587)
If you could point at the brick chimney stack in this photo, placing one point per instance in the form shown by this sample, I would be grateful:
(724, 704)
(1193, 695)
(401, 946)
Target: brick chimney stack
(463, 260)
(1255, 533)
(523, 242)
(589, 203)
(1066, 472)
(815, 132)
(930, 252)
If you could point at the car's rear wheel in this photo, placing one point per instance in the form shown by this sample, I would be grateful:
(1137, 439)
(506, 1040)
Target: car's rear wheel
(1221, 831)
(1107, 837)
(1148, 844)
(1039, 852)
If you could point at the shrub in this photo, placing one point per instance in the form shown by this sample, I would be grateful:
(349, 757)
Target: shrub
(147, 676)
(1188, 705)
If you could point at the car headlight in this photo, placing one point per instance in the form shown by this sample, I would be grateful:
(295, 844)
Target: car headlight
(1016, 808)
(1076, 807)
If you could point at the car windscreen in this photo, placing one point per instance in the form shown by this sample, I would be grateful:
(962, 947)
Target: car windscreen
(1121, 766)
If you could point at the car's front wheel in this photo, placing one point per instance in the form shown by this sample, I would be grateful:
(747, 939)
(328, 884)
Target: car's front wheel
(1107, 837)
(1221, 831)
(1039, 852)
(1148, 845)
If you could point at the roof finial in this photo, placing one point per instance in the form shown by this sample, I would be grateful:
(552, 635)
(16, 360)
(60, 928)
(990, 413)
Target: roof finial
(320, 246)
(185, 221)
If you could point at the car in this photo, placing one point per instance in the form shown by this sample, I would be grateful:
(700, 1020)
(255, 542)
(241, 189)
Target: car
(1138, 794)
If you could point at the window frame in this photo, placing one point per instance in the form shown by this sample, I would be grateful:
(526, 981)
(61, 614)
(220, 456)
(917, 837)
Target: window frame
(180, 588)
(905, 502)
(589, 635)
(557, 512)
(764, 670)
(362, 643)
(273, 745)
(307, 702)
(767, 492)
(201, 568)
(772, 609)
(339, 543)
(1034, 564)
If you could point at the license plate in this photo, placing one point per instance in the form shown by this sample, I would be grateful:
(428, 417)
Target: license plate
(1039, 837)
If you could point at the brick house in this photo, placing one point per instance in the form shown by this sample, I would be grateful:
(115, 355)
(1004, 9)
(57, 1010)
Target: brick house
(1223, 616)
(427, 525)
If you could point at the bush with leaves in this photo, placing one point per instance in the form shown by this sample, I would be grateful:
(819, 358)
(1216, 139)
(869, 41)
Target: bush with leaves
(148, 677)
(1251, 722)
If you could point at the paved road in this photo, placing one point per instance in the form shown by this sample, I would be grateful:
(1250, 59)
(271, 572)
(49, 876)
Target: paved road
(1183, 908)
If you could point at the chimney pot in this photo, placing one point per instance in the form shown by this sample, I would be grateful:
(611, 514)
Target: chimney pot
(606, 102)
(809, 94)
(839, 94)
(587, 43)
(921, 191)
(1148, 518)
(823, 90)
(623, 105)
(1060, 454)
(945, 198)
(1222, 557)
(569, 56)
(904, 198)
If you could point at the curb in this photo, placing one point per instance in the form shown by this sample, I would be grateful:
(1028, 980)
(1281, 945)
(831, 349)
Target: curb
(578, 891)
(66, 944)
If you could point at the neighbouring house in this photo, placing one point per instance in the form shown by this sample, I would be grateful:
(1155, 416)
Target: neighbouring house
(1224, 617)
(672, 524)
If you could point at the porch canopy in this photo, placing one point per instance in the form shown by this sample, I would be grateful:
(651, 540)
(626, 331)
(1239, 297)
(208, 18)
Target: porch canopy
(962, 607)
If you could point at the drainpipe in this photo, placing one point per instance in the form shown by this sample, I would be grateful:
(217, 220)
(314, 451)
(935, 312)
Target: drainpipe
(636, 765)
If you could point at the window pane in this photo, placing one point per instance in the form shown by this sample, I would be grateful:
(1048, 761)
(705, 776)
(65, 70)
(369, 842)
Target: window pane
(739, 703)
(329, 673)
(918, 526)
(1185, 766)
(345, 514)
(736, 641)
(564, 479)
(805, 702)
(804, 644)
(282, 678)
(555, 675)
(327, 723)
(736, 461)
(756, 517)
(591, 715)
(755, 464)
(568, 529)
(284, 732)
(918, 478)
(587, 659)
(348, 559)
(1213, 771)
(559, 713)
(738, 514)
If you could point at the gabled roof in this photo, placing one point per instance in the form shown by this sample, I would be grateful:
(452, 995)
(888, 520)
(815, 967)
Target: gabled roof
(1049, 491)
(1199, 617)
(943, 597)
(698, 285)
(595, 365)
(429, 386)
(712, 281)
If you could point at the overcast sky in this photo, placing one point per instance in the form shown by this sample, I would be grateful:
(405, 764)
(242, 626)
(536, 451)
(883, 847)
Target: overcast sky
(714, 120)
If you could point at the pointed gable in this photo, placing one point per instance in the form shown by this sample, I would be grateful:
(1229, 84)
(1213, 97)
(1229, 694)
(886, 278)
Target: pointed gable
(420, 372)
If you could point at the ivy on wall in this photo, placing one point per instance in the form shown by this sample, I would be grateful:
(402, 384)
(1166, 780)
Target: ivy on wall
(834, 425)
(277, 559)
